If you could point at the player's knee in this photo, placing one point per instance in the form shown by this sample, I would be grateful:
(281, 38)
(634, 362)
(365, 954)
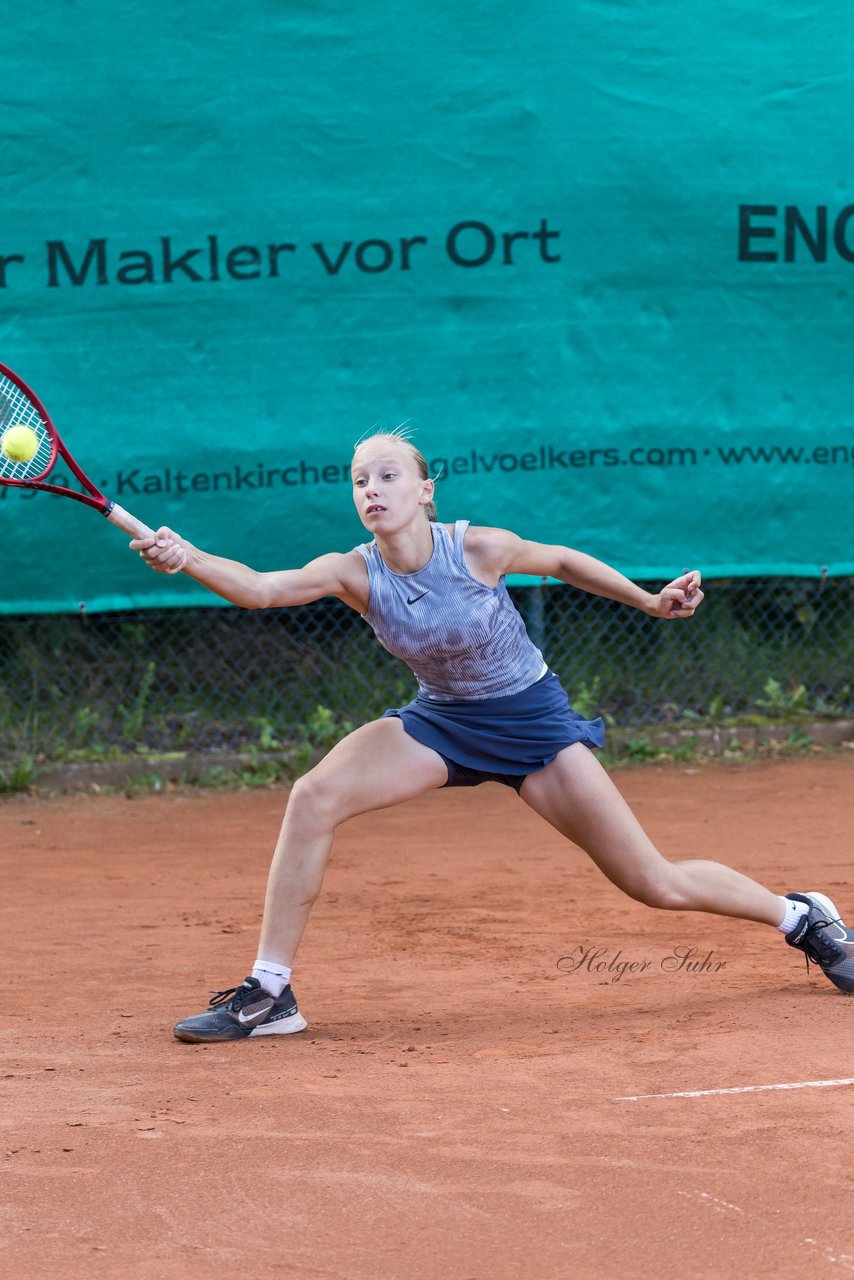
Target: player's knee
(660, 889)
(313, 803)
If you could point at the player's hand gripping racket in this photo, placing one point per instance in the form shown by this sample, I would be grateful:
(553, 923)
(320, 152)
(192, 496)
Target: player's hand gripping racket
(30, 447)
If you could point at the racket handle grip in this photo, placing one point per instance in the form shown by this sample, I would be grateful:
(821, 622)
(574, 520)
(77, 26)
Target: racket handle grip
(126, 522)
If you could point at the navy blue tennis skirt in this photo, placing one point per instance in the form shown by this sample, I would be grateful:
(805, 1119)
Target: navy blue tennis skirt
(503, 738)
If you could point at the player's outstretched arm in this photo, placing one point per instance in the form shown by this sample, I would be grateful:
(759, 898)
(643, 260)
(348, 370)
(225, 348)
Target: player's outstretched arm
(505, 552)
(334, 574)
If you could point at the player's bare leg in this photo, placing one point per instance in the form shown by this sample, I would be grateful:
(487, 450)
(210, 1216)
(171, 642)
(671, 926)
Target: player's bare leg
(577, 797)
(575, 794)
(376, 766)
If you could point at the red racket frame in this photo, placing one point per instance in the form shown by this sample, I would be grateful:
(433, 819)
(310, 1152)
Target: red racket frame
(93, 497)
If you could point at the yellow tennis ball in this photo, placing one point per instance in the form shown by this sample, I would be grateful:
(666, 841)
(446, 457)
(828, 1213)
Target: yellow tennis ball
(19, 443)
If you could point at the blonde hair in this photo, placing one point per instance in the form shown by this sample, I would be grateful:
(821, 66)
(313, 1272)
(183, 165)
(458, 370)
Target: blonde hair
(400, 437)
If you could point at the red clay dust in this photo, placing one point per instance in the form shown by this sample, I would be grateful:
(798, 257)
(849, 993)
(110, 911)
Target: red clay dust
(510, 1069)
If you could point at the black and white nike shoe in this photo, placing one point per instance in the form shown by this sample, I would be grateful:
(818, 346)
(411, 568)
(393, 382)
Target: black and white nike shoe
(824, 939)
(240, 1012)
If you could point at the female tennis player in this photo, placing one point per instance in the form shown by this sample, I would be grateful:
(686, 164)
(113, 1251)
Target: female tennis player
(487, 708)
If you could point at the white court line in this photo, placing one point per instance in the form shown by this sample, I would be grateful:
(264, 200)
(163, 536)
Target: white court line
(846, 1260)
(830, 1255)
(744, 1088)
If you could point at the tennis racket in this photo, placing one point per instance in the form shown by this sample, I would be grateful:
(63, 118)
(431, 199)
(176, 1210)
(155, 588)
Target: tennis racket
(21, 407)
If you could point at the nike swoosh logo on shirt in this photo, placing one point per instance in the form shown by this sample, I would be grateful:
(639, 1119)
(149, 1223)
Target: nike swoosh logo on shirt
(412, 599)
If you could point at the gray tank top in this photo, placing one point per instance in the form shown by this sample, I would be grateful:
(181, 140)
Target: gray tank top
(461, 638)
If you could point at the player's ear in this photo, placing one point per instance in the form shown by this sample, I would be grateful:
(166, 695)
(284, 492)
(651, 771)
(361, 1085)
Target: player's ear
(428, 488)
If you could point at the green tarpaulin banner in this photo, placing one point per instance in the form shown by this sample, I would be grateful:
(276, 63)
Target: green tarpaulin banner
(598, 256)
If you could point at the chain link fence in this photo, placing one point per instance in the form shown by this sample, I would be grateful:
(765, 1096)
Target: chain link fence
(222, 679)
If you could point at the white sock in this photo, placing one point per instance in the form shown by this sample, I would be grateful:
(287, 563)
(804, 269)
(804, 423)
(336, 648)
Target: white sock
(792, 914)
(273, 977)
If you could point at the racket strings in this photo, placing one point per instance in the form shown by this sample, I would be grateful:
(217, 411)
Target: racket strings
(17, 410)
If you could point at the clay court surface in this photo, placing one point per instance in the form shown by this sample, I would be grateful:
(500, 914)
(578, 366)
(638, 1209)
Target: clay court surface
(457, 1107)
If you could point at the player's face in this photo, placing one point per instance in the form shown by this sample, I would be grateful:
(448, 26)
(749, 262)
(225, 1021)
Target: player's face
(387, 488)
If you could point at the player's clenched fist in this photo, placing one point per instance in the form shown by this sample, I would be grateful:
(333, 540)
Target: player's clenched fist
(166, 552)
(679, 598)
